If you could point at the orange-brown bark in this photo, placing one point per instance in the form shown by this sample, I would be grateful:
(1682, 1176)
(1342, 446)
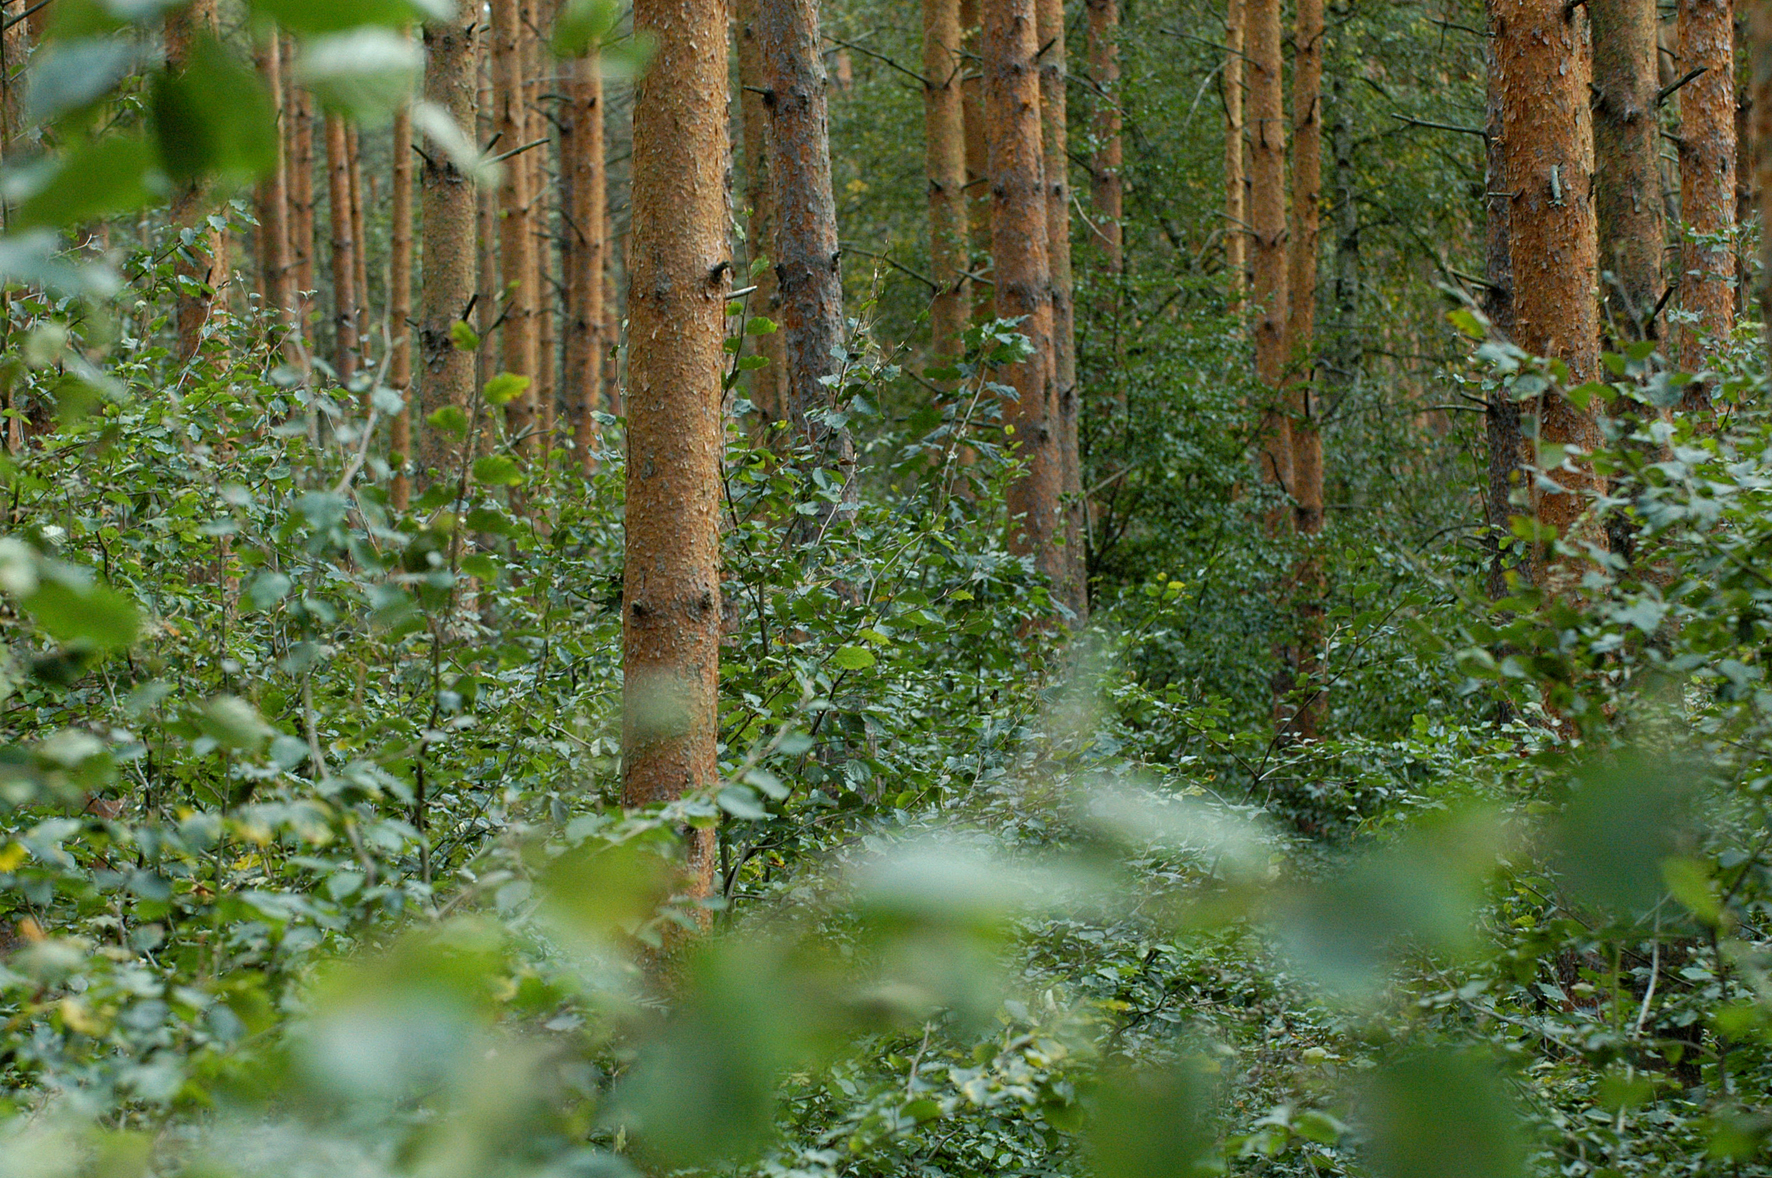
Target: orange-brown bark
(1267, 219)
(400, 306)
(344, 253)
(978, 164)
(806, 250)
(1546, 143)
(583, 250)
(516, 248)
(1759, 34)
(449, 207)
(944, 158)
(359, 242)
(1106, 186)
(1236, 215)
(679, 278)
(300, 141)
(1707, 183)
(1301, 272)
(541, 220)
(766, 383)
(1022, 270)
(273, 202)
(1627, 181)
(1055, 134)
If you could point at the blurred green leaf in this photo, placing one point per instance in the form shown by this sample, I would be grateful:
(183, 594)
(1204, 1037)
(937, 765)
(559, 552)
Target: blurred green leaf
(1441, 1114)
(366, 73)
(214, 119)
(115, 174)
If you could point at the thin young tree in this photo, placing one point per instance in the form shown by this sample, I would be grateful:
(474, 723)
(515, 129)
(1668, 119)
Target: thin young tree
(344, 250)
(679, 279)
(766, 382)
(1627, 180)
(944, 156)
(516, 238)
(400, 306)
(449, 206)
(273, 199)
(583, 252)
(1707, 184)
(1305, 411)
(359, 242)
(1236, 214)
(1267, 217)
(1546, 142)
(1021, 268)
(202, 266)
(978, 164)
(1501, 413)
(1055, 136)
(1107, 155)
(300, 145)
(806, 250)
(537, 142)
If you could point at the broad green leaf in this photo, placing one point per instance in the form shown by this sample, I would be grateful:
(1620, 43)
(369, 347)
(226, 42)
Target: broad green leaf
(505, 388)
(75, 608)
(463, 336)
(38, 258)
(854, 658)
(333, 16)
(497, 470)
(215, 119)
(450, 420)
(582, 25)
(1441, 1114)
(367, 72)
(461, 150)
(68, 76)
(116, 174)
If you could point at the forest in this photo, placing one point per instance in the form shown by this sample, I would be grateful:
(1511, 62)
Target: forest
(885, 589)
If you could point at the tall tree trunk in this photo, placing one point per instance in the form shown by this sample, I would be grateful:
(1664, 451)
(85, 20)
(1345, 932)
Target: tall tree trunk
(1236, 215)
(541, 223)
(1267, 124)
(301, 195)
(202, 267)
(1022, 269)
(1055, 128)
(1506, 444)
(450, 208)
(273, 201)
(515, 234)
(583, 250)
(1546, 143)
(15, 46)
(344, 252)
(359, 244)
(978, 163)
(1707, 182)
(400, 306)
(806, 261)
(944, 156)
(487, 221)
(766, 383)
(1627, 143)
(1106, 190)
(671, 586)
(1759, 34)
(1302, 346)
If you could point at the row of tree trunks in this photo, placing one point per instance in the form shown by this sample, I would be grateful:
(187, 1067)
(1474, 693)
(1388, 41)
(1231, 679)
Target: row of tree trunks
(518, 352)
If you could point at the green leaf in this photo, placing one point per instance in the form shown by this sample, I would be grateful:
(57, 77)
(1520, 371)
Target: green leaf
(480, 565)
(450, 420)
(332, 16)
(463, 336)
(1691, 885)
(505, 388)
(233, 723)
(583, 24)
(753, 363)
(68, 76)
(854, 658)
(497, 470)
(75, 608)
(215, 119)
(268, 588)
(740, 802)
(1466, 321)
(760, 325)
(116, 174)
(37, 258)
(367, 72)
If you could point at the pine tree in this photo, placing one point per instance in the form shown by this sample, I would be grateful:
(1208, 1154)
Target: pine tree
(1707, 183)
(944, 155)
(1236, 212)
(400, 305)
(1304, 408)
(449, 207)
(766, 383)
(273, 198)
(1267, 216)
(516, 240)
(583, 249)
(678, 283)
(344, 250)
(1627, 181)
(202, 266)
(1544, 74)
(1022, 271)
(978, 163)
(1107, 191)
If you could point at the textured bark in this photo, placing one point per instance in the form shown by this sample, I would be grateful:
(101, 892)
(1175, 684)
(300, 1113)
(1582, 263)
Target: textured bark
(1054, 119)
(400, 306)
(1707, 183)
(449, 207)
(583, 250)
(1627, 184)
(944, 157)
(202, 267)
(1267, 219)
(978, 163)
(488, 301)
(344, 254)
(1301, 273)
(15, 47)
(273, 201)
(679, 278)
(541, 219)
(516, 241)
(766, 383)
(1759, 34)
(359, 243)
(1236, 214)
(1106, 187)
(806, 252)
(1305, 415)
(1501, 417)
(1546, 145)
(301, 195)
(1019, 245)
